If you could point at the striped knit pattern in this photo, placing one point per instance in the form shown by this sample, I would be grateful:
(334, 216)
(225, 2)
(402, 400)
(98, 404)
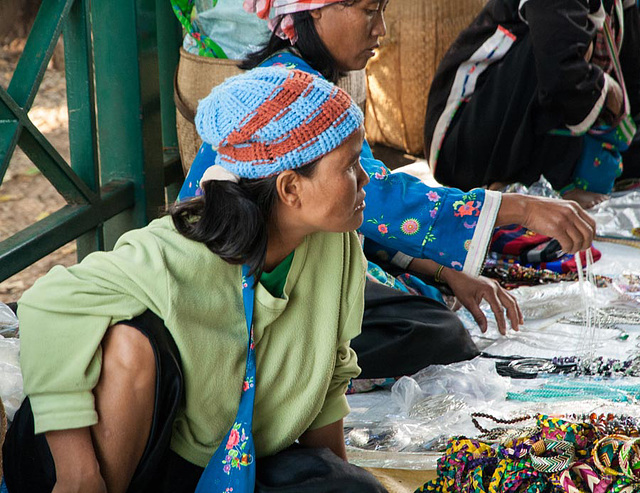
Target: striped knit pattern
(272, 119)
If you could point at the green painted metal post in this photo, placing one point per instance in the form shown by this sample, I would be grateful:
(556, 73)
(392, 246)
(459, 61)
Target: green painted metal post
(129, 124)
(82, 115)
(169, 42)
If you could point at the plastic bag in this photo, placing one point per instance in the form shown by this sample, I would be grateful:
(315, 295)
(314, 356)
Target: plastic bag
(11, 391)
(8, 321)
(618, 217)
(541, 188)
(475, 381)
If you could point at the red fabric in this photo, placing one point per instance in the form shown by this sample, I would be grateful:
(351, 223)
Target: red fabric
(570, 265)
(515, 239)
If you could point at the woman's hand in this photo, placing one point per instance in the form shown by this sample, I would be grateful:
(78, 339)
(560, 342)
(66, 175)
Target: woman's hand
(563, 220)
(470, 291)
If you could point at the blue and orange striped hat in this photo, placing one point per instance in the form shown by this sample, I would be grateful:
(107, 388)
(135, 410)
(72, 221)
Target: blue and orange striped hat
(272, 119)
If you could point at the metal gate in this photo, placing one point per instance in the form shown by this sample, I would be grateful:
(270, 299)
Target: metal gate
(120, 57)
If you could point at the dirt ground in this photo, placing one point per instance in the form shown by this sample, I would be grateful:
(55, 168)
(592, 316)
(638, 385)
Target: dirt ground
(25, 195)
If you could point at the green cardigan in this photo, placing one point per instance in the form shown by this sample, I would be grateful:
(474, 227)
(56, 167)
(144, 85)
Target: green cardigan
(304, 361)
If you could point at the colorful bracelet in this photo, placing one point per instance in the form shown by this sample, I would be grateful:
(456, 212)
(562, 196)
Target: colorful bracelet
(563, 458)
(629, 459)
(605, 454)
(437, 277)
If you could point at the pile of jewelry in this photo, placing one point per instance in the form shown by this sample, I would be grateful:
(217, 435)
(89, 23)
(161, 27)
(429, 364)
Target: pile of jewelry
(598, 365)
(435, 406)
(610, 424)
(517, 367)
(511, 276)
(576, 389)
(605, 318)
(628, 286)
(560, 455)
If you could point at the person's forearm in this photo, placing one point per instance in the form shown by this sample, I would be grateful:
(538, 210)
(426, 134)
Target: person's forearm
(77, 468)
(423, 266)
(513, 209)
(330, 436)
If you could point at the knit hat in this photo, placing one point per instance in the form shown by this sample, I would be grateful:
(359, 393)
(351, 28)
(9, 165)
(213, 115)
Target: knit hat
(272, 119)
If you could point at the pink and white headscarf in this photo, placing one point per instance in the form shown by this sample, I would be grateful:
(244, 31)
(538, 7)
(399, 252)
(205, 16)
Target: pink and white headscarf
(275, 10)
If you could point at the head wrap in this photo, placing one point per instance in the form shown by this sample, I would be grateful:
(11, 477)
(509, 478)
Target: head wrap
(278, 12)
(272, 119)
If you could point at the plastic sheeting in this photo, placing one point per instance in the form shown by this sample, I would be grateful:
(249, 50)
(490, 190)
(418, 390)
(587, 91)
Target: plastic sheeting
(403, 428)
(618, 217)
(10, 375)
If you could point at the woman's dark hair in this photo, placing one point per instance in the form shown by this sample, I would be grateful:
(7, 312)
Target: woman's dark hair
(308, 44)
(232, 219)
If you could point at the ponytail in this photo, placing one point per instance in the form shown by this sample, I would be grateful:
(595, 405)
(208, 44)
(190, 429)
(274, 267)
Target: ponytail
(232, 219)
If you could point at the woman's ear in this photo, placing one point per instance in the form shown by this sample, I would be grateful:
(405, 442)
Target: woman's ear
(289, 188)
(316, 14)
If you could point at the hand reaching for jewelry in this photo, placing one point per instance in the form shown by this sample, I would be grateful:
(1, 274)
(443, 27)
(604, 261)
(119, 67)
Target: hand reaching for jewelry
(563, 220)
(470, 291)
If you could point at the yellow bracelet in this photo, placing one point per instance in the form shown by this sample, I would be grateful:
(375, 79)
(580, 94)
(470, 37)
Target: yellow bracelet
(437, 278)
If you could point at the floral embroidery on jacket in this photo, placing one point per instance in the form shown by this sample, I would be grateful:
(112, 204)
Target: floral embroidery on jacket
(383, 228)
(236, 457)
(381, 175)
(433, 196)
(410, 226)
(469, 208)
(429, 237)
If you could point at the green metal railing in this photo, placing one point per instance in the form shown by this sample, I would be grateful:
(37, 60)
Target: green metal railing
(119, 62)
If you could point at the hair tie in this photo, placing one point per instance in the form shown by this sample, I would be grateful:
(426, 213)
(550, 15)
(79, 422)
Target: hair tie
(218, 173)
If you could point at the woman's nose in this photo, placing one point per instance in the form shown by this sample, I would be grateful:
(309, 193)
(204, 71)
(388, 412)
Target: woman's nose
(363, 177)
(380, 28)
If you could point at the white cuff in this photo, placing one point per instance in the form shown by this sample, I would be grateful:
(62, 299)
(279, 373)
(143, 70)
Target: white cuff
(582, 127)
(401, 260)
(483, 233)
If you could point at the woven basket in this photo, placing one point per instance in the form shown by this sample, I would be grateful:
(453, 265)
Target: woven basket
(419, 32)
(3, 432)
(197, 75)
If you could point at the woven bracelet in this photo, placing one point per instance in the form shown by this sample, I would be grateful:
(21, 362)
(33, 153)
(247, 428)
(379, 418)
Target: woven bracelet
(563, 460)
(629, 458)
(605, 454)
